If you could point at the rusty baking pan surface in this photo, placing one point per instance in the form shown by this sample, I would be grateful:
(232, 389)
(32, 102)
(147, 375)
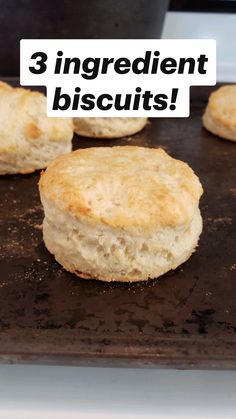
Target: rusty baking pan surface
(185, 319)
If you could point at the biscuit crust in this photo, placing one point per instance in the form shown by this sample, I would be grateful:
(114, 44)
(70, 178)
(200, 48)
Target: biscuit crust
(220, 114)
(123, 187)
(29, 140)
(108, 127)
(120, 213)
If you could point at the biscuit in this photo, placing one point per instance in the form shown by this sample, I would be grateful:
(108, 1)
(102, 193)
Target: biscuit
(108, 127)
(120, 213)
(29, 140)
(220, 114)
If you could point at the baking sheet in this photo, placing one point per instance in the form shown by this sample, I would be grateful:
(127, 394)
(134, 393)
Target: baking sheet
(186, 319)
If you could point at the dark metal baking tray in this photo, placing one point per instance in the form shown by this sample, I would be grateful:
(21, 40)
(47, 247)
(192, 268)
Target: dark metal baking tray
(185, 319)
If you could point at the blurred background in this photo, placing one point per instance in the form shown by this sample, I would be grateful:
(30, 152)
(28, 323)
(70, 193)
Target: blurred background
(118, 19)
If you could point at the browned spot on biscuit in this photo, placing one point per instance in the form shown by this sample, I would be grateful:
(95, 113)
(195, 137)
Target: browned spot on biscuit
(79, 209)
(32, 131)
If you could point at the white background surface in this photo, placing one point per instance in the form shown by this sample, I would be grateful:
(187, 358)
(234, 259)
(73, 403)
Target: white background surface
(219, 26)
(40, 392)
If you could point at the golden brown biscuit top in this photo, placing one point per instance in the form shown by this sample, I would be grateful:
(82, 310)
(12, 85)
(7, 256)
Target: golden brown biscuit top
(124, 187)
(222, 105)
(23, 117)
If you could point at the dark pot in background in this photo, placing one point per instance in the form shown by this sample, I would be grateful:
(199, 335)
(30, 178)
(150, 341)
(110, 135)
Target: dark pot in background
(74, 19)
